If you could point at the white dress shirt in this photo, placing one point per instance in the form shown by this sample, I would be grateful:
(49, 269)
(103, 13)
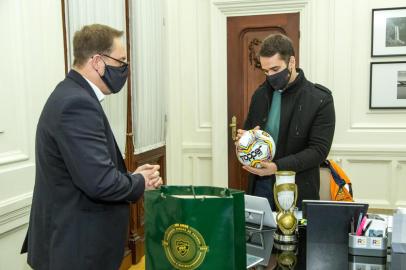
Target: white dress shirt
(99, 94)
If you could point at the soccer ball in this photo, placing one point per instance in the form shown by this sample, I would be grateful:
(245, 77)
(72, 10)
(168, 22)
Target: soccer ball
(255, 146)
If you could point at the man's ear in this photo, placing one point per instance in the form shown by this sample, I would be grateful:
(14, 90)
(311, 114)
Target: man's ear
(97, 63)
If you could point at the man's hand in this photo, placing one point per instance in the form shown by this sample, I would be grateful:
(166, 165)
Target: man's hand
(151, 175)
(145, 167)
(268, 168)
(240, 132)
(155, 184)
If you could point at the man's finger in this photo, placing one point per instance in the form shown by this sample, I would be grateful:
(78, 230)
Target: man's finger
(144, 167)
(266, 164)
(155, 182)
(152, 170)
(158, 183)
(153, 177)
(252, 170)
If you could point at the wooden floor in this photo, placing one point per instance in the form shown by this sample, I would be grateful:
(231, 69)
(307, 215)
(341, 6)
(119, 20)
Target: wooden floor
(139, 266)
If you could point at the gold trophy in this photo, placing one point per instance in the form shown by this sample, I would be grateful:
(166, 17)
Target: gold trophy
(286, 259)
(285, 196)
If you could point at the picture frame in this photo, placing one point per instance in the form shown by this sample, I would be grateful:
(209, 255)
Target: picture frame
(387, 85)
(388, 32)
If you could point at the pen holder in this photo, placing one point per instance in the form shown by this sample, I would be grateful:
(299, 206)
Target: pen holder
(367, 245)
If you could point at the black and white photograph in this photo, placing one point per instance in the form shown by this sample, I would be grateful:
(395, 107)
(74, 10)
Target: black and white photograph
(387, 85)
(396, 32)
(388, 32)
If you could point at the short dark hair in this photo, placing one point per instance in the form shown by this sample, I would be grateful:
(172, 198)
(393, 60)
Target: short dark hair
(93, 39)
(277, 43)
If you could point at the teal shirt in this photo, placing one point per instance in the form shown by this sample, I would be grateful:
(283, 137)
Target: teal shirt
(274, 116)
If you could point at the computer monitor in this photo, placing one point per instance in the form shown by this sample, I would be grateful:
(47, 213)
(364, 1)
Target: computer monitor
(356, 206)
(258, 213)
(328, 225)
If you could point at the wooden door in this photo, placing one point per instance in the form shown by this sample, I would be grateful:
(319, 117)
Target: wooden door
(244, 75)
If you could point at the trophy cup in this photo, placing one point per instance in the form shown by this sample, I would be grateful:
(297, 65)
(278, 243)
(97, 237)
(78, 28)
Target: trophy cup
(285, 196)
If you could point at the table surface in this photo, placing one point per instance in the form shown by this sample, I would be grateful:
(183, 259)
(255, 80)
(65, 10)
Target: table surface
(328, 256)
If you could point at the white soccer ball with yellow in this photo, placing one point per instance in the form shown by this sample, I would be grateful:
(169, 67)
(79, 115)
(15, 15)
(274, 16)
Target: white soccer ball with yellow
(255, 146)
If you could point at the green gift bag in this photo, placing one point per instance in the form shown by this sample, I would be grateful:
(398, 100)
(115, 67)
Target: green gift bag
(194, 227)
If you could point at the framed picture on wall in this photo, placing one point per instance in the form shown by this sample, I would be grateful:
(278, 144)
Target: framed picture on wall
(387, 85)
(388, 32)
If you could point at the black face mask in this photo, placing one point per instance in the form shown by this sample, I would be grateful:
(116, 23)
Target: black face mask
(115, 77)
(280, 80)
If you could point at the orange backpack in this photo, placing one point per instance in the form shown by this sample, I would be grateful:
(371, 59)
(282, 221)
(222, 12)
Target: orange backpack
(340, 184)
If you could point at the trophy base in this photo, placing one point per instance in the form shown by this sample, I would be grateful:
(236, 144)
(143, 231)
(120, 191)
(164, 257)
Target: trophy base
(285, 239)
(286, 256)
(286, 247)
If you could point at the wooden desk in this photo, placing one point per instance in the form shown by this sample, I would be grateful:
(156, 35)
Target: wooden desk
(395, 261)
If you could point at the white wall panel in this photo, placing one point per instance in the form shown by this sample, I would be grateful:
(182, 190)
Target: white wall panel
(33, 64)
(174, 158)
(197, 167)
(188, 72)
(196, 170)
(195, 69)
(187, 172)
(202, 34)
(203, 176)
(371, 180)
(399, 184)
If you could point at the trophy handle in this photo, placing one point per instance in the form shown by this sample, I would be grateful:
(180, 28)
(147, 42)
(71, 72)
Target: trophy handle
(284, 187)
(275, 198)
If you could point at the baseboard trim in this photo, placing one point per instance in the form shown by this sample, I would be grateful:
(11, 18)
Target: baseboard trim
(14, 212)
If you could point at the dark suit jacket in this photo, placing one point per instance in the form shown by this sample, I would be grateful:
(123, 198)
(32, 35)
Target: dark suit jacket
(80, 210)
(305, 134)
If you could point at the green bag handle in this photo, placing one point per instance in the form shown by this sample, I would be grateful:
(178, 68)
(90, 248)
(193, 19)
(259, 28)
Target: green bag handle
(165, 190)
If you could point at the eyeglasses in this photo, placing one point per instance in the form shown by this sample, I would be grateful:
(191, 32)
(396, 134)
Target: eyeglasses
(118, 60)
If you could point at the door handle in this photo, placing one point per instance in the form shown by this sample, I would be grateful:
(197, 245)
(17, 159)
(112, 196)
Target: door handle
(233, 126)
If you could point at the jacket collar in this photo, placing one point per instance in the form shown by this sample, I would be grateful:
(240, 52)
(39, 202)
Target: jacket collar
(78, 78)
(297, 83)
